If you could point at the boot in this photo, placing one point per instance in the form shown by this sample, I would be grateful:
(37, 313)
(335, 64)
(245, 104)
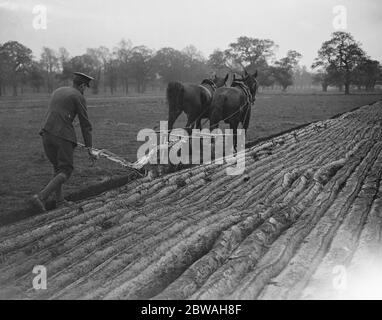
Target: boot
(60, 200)
(59, 195)
(37, 203)
(54, 185)
(64, 203)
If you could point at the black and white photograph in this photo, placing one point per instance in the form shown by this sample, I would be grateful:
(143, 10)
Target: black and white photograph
(205, 152)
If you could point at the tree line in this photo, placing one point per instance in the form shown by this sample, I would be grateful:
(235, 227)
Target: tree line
(340, 62)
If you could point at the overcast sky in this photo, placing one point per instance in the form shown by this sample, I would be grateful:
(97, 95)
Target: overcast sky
(300, 25)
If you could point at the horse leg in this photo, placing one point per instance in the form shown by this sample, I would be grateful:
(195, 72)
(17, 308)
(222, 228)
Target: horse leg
(246, 120)
(198, 124)
(175, 97)
(188, 125)
(233, 126)
(215, 119)
(173, 115)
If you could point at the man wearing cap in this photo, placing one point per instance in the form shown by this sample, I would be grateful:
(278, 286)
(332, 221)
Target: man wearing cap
(59, 137)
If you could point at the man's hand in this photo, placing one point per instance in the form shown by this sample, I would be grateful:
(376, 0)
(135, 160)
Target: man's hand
(92, 155)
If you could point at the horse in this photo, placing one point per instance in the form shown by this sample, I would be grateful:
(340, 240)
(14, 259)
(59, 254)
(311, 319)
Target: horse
(233, 104)
(192, 99)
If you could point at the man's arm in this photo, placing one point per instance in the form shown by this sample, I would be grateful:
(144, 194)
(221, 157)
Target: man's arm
(86, 126)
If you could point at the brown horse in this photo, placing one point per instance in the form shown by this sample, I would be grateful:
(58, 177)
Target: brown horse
(233, 104)
(192, 99)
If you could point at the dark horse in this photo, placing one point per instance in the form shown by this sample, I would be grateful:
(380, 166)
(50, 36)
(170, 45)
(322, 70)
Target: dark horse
(192, 99)
(233, 104)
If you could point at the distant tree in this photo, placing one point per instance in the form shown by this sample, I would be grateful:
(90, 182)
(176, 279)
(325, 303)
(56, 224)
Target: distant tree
(251, 53)
(284, 69)
(63, 56)
(123, 54)
(83, 63)
(86, 63)
(219, 62)
(195, 64)
(302, 78)
(342, 54)
(170, 64)
(321, 78)
(266, 76)
(198, 71)
(329, 76)
(335, 77)
(96, 63)
(108, 70)
(109, 67)
(367, 73)
(141, 66)
(15, 62)
(50, 63)
(2, 70)
(111, 74)
(36, 76)
(193, 54)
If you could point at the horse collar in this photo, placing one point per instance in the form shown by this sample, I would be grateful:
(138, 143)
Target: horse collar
(210, 83)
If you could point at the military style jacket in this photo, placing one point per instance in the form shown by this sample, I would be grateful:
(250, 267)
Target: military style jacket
(65, 104)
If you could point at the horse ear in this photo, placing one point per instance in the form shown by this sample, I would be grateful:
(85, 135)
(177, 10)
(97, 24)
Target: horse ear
(226, 78)
(255, 74)
(245, 73)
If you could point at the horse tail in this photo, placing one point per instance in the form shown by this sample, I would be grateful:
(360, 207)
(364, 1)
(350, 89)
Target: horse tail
(174, 94)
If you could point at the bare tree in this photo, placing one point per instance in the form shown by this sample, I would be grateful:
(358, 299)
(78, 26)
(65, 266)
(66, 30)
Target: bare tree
(141, 66)
(51, 66)
(123, 54)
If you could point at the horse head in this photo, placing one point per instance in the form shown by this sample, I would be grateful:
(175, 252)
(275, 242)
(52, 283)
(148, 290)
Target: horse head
(251, 82)
(219, 82)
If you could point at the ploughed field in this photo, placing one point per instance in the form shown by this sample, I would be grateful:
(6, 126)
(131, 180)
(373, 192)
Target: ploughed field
(308, 202)
(117, 121)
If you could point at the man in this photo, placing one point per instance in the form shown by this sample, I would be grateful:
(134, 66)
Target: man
(59, 137)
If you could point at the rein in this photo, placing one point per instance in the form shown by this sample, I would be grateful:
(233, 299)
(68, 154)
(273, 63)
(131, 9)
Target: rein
(249, 97)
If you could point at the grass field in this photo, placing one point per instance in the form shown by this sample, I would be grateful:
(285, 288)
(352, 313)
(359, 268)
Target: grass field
(24, 168)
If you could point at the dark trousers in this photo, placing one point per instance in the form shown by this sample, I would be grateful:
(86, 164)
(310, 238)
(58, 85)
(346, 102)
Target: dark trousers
(59, 152)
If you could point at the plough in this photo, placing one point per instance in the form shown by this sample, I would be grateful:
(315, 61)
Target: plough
(138, 165)
(98, 153)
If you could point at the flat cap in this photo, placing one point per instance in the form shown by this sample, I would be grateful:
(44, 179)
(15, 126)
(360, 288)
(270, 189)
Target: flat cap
(83, 77)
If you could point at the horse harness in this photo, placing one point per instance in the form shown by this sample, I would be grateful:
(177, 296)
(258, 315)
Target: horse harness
(247, 92)
(249, 98)
(208, 83)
